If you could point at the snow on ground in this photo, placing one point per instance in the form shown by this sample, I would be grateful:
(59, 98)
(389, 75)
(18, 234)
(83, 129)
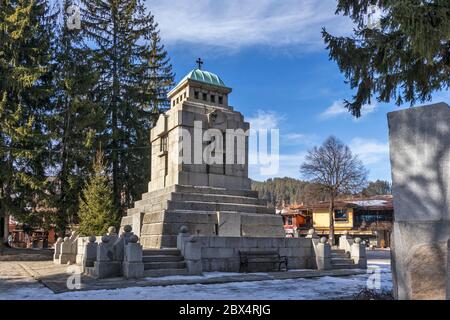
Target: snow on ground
(294, 289)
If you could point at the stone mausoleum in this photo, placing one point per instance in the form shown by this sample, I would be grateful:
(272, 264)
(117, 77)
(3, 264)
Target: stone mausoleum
(199, 171)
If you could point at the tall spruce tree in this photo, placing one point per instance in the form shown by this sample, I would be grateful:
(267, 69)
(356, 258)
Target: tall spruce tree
(160, 75)
(76, 120)
(25, 104)
(119, 31)
(97, 212)
(405, 59)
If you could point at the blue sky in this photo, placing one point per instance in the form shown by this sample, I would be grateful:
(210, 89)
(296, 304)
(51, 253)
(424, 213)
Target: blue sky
(272, 55)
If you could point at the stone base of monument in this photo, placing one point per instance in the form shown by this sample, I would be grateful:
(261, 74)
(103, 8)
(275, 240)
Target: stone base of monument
(204, 211)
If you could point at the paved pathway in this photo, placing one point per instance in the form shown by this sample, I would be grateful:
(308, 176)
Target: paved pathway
(22, 274)
(54, 277)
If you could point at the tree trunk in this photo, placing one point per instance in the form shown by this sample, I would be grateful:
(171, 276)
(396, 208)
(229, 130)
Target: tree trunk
(331, 230)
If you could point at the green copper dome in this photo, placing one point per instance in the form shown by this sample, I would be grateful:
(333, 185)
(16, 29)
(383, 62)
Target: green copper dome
(204, 76)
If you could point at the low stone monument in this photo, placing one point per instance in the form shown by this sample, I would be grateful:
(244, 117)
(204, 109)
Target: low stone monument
(420, 160)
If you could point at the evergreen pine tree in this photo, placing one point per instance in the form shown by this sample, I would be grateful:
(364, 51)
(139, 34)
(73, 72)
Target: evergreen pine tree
(161, 77)
(75, 121)
(405, 59)
(25, 104)
(119, 31)
(97, 211)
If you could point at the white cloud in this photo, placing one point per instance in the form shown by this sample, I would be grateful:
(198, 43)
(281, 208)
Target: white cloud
(266, 120)
(234, 24)
(338, 109)
(295, 139)
(370, 151)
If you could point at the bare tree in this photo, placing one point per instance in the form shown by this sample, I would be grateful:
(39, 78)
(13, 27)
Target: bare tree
(336, 170)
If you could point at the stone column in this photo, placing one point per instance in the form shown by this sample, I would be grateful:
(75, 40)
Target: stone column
(358, 253)
(323, 254)
(133, 267)
(420, 160)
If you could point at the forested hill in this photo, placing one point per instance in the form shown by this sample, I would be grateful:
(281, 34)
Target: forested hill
(292, 191)
(288, 190)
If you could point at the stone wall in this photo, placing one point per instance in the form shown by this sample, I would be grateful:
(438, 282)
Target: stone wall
(222, 253)
(420, 160)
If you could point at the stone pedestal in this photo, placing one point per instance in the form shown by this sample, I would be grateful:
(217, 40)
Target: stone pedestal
(133, 267)
(105, 265)
(420, 160)
(358, 253)
(323, 254)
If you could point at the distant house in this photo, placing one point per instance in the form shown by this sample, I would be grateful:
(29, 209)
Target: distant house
(297, 219)
(369, 218)
(24, 237)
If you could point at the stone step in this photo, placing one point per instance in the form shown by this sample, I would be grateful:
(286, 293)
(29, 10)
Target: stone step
(165, 273)
(340, 255)
(220, 198)
(210, 190)
(158, 193)
(344, 266)
(162, 258)
(341, 261)
(164, 265)
(214, 207)
(161, 252)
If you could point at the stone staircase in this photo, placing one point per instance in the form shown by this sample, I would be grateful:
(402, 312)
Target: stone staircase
(165, 211)
(341, 260)
(163, 262)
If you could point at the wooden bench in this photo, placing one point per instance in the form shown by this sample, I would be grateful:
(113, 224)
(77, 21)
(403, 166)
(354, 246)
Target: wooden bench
(271, 256)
